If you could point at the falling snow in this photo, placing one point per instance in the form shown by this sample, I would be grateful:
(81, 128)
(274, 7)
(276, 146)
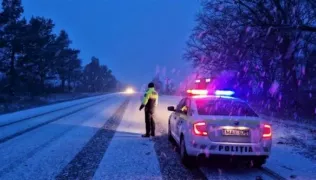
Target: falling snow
(274, 88)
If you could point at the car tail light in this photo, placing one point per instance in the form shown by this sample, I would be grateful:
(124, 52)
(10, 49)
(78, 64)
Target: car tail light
(267, 132)
(200, 129)
(197, 92)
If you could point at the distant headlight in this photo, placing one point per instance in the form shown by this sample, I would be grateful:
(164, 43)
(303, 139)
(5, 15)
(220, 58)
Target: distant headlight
(129, 91)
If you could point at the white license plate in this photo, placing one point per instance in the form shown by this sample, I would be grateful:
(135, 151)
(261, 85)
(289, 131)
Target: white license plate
(235, 132)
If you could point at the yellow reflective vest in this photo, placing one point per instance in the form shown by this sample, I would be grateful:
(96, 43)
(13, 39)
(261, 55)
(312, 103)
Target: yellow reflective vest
(150, 99)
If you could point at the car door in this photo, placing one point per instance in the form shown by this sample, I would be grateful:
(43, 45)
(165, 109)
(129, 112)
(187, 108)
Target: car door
(181, 117)
(174, 119)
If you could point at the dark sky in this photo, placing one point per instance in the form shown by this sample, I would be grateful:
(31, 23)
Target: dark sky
(133, 37)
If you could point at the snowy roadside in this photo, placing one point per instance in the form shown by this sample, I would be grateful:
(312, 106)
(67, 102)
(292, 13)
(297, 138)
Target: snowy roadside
(24, 103)
(299, 136)
(293, 152)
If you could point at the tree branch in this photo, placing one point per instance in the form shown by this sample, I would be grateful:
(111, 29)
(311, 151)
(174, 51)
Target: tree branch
(291, 27)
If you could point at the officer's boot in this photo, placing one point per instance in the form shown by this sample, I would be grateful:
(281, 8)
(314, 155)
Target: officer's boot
(145, 135)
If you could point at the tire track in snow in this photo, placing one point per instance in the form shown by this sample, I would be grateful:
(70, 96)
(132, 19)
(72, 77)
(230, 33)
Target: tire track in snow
(29, 155)
(169, 159)
(272, 173)
(45, 113)
(86, 162)
(17, 134)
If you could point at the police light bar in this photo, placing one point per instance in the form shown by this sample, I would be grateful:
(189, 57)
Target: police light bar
(224, 93)
(197, 92)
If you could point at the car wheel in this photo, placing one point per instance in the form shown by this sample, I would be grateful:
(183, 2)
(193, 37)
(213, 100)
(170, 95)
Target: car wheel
(171, 139)
(258, 162)
(186, 160)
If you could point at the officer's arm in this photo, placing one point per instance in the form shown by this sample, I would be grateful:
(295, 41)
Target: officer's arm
(146, 98)
(156, 102)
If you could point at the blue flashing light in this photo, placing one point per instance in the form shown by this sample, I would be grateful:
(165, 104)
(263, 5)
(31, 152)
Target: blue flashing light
(224, 93)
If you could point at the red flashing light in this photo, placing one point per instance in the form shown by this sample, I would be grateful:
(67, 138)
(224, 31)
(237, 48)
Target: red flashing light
(197, 92)
(267, 131)
(200, 129)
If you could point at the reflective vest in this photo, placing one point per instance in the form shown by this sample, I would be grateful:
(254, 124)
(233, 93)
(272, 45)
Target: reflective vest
(150, 99)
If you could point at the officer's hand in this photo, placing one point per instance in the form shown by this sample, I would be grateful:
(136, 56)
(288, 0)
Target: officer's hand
(141, 107)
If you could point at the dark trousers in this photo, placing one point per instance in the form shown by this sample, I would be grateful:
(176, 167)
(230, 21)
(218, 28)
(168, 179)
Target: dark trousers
(150, 123)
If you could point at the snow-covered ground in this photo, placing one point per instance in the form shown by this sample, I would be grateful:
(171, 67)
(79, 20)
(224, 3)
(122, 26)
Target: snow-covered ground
(26, 102)
(91, 143)
(294, 149)
(129, 156)
(11, 117)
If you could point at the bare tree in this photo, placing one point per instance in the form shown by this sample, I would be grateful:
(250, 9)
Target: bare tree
(262, 40)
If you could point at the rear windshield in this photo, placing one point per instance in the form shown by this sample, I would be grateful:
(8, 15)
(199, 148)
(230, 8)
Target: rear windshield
(224, 108)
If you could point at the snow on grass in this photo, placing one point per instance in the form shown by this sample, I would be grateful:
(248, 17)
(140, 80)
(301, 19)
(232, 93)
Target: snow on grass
(284, 161)
(294, 149)
(299, 136)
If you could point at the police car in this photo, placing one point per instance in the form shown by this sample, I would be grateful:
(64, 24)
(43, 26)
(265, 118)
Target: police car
(218, 125)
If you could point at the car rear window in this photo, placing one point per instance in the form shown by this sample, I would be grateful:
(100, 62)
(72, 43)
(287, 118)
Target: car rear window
(224, 108)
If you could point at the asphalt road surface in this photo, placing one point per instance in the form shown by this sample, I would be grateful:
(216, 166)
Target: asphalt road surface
(98, 138)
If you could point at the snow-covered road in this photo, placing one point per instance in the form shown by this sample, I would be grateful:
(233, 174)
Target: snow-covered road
(99, 138)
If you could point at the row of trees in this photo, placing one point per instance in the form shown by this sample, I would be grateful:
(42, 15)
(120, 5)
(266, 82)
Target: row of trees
(268, 44)
(33, 58)
(167, 87)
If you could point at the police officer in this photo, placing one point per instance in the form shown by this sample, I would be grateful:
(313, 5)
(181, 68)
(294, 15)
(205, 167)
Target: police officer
(150, 101)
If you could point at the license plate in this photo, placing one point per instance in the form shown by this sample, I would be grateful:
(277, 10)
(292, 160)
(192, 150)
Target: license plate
(235, 132)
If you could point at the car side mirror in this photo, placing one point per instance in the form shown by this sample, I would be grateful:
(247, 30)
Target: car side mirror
(171, 108)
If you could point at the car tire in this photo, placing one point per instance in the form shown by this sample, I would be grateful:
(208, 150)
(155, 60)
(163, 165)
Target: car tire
(187, 161)
(170, 138)
(259, 162)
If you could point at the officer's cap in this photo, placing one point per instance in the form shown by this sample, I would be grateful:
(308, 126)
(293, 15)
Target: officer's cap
(151, 85)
